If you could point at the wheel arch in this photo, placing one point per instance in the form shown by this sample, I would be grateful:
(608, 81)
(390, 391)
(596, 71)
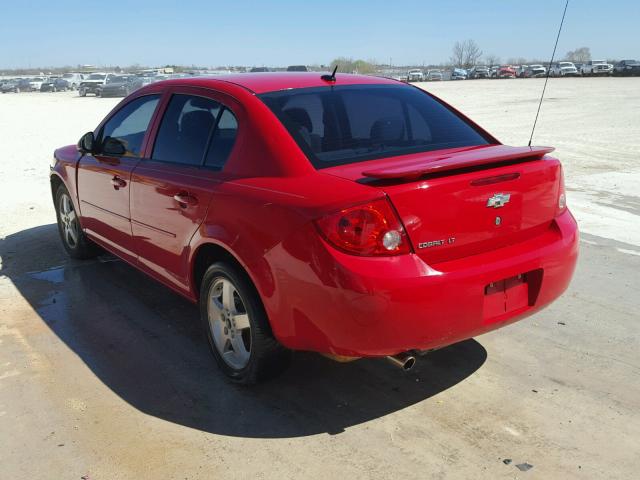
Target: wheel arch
(208, 253)
(55, 181)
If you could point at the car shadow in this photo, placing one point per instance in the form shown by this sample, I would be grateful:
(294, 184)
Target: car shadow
(145, 344)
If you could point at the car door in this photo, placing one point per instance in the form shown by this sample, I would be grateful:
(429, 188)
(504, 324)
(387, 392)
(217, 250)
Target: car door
(172, 189)
(104, 176)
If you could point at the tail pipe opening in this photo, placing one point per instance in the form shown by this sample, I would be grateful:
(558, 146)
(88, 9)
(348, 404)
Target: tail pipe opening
(403, 360)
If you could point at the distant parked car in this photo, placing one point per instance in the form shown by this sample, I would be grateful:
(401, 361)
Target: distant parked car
(415, 75)
(24, 85)
(74, 79)
(297, 68)
(505, 71)
(116, 86)
(434, 75)
(564, 69)
(62, 85)
(535, 71)
(597, 67)
(579, 66)
(520, 69)
(36, 83)
(49, 84)
(10, 85)
(493, 71)
(627, 68)
(139, 82)
(479, 71)
(93, 83)
(259, 69)
(458, 74)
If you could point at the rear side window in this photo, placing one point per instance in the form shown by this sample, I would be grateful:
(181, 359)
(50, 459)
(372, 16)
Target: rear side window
(129, 124)
(352, 123)
(195, 129)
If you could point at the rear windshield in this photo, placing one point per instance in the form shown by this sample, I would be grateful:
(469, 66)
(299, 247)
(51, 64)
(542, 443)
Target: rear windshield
(353, 123)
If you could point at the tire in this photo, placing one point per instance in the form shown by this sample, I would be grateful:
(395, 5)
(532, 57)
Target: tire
(82, 92)
(76, 244)
(237, 327)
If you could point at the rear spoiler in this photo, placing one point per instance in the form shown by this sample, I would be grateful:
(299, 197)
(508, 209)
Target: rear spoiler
(436, 162)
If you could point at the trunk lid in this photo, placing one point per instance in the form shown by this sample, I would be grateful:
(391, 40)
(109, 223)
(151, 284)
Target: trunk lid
(462, 202)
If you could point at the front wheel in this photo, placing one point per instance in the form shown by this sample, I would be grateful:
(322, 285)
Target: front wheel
(73, 238)
(238, 330)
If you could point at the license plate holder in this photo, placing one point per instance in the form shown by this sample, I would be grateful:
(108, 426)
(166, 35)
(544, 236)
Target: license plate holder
(505, 296)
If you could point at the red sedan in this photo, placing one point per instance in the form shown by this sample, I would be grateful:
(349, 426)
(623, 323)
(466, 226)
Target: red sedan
(352, 216)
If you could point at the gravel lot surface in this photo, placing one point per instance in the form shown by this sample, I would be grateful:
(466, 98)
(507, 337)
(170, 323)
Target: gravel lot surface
(104, 374)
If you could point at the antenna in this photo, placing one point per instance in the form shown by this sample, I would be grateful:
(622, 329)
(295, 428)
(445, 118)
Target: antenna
(332, 77)
(548, 72)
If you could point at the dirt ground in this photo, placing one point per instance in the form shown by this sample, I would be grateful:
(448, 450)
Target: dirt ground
(104, 373)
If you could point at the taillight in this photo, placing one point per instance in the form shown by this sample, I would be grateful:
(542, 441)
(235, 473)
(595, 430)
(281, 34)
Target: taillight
(372, 229)
(562, 197)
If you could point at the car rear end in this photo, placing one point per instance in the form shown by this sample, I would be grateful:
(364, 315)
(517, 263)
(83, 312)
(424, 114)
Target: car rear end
(461, 235)
(506, 72)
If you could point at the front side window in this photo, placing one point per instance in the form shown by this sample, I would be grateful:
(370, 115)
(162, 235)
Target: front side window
(124, 132)
(195, 131)
(352, 123)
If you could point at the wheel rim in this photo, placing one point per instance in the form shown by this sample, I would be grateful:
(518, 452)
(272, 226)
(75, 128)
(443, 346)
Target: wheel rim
(68, 221)
(229, 323)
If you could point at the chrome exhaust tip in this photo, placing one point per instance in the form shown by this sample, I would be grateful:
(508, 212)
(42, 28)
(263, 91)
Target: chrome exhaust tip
(403, 360)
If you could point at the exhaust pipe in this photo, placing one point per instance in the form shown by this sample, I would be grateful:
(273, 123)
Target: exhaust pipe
(402, 360)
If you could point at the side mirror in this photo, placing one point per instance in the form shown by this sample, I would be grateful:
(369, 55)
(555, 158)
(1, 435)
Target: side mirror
(87, 143)
(113, 147)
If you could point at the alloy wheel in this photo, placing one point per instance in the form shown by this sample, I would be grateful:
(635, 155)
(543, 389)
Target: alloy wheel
(229, 323)
(68, 221)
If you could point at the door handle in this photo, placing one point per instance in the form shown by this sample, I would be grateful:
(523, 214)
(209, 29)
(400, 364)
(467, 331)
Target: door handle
(118, 183)
(184, 199)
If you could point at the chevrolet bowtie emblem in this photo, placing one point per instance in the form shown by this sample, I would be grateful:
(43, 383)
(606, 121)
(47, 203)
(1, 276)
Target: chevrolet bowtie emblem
(498, 200)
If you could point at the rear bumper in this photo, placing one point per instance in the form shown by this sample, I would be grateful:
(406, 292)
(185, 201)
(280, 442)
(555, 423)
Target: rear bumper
(362, 306)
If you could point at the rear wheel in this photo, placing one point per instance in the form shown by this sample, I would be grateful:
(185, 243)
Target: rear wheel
(237, 327)
(73, 238)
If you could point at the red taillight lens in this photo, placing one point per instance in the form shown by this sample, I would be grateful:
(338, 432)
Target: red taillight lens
(562, 197)
(372, 229)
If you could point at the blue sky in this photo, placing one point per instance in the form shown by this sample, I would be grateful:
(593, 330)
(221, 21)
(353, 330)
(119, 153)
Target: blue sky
(117, 32)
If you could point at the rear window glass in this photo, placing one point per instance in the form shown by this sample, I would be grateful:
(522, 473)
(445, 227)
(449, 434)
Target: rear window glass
(353, 123)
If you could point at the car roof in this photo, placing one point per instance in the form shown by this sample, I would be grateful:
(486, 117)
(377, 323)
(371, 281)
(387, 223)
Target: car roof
(263, 82)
